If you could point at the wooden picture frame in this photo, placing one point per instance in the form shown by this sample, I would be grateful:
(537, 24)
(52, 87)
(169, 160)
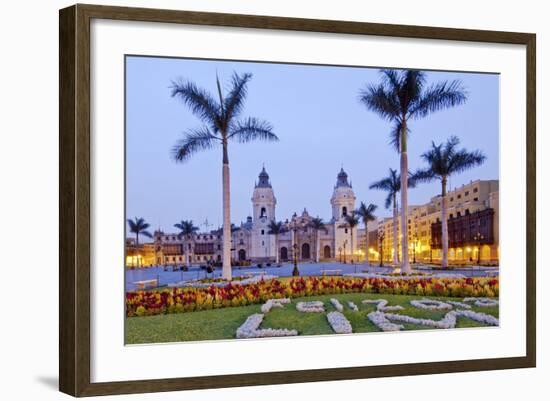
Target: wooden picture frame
(74, 203)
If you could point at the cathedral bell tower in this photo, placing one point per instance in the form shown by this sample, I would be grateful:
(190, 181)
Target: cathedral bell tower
(263, 206)
(343, 204)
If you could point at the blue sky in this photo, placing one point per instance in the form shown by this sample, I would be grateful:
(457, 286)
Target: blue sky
(321, 125)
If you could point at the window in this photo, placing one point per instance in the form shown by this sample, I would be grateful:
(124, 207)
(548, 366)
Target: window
(475, 190)
(346, 230)
(467, 211)
(263, 232)
(263, 212)
(458, 214)
(344, 212)
(450, 216)
(476, 199)
(452, 199)
(467, 193)
(459, 196)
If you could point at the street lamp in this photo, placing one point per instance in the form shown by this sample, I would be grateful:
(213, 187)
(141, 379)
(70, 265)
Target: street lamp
(415, 244)
(340, 253)
(478, 238)
(294, 225)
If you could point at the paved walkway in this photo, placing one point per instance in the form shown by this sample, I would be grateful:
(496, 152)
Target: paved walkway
(306, 269)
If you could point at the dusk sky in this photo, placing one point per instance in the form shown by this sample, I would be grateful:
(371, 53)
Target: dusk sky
(321, 126)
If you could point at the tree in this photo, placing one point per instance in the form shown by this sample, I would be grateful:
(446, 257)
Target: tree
(317, 224)
(276, 228)
(187, 229)
(351, 221)
(139, 226)
(443, 161)
(400, 97)
(392, 185)
(221, 125)
(366, 213)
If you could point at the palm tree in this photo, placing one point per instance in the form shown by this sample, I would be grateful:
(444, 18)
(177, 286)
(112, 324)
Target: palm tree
(139, 226)
(402, 96)
(187, 229)
(222, 124)
(351, 221)
(392, 185)
(443, 161)
(276, 228)
(366, 213)
(317, 224)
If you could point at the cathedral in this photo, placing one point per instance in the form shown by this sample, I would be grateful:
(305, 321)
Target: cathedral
(299, 237)
(253, 241)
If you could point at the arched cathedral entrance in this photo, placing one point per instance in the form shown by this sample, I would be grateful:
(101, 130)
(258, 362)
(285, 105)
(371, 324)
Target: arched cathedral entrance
(306, 252)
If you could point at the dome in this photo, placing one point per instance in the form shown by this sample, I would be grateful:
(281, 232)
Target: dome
(342, 179)
(263, 180)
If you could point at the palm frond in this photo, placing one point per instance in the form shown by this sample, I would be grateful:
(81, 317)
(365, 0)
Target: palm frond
(413, 84)
(252, 129)
(199, 102)
(234, 102)
(437, 97)
(380, 100)
(276, 227)
(423, 175)
(389, 200)
(139, 226)
(192, 142)
(366, 212)
(444, 160)
(391, 79)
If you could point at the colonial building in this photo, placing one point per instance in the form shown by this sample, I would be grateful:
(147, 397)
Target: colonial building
(473, 226)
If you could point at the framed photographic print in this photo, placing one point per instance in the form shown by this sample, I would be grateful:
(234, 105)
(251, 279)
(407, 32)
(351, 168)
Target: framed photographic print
(261, 200)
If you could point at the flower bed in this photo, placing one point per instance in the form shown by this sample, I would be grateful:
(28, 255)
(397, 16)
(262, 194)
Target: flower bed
(250, 329)
(384, 321)
(339, 323)
(177, 300)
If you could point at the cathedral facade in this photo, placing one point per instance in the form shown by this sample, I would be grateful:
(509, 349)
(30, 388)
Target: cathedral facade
(300, 237)
(253, 241)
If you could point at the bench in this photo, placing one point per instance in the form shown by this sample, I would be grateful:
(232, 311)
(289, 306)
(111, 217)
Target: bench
(333, 272)
(143, 284)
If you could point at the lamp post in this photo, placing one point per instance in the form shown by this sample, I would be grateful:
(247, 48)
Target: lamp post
(478, 238)
(294, 225)
(340, 253)
(415, 244)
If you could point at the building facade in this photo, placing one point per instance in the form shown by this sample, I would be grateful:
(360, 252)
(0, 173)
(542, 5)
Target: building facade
(473, 226)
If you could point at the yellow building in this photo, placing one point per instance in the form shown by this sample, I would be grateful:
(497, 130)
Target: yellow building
(473, 225)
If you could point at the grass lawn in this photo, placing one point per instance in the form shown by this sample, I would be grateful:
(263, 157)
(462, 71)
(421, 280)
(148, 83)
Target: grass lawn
(218, 324)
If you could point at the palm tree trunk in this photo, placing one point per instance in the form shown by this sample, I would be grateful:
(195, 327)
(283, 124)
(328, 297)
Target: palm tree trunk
(395, 239)
(137, 250)
(405, 266)
(277, 249)
(317, 245)
(351, 243)
(367, 243)
(444, 227)
(226, 264)
(186, 251)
